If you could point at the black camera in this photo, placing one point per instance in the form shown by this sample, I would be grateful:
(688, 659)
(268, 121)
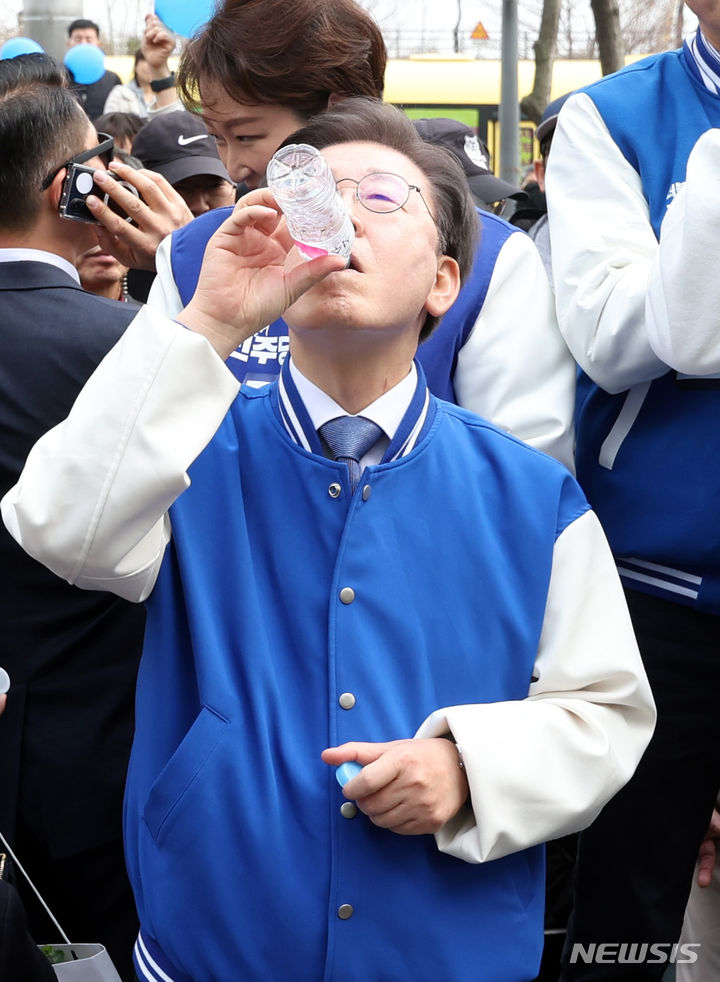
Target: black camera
(78, 185)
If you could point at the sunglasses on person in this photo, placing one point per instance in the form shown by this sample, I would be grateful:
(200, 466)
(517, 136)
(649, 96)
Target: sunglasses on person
(105, 150)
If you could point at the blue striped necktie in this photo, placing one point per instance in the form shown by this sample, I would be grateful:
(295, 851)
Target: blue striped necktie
(349, 439)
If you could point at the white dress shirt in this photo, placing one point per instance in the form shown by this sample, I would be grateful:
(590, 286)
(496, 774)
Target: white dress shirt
(387, 411)
(39, 256)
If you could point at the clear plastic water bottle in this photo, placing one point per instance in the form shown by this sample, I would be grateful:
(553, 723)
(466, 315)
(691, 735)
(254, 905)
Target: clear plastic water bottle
(304, 187)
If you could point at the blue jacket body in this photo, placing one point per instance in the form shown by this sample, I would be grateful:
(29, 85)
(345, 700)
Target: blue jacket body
(251, 644)
(664, 545)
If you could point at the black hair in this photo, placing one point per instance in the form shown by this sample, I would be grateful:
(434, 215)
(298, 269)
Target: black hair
(82, 23)
(545, 144)
(41, 126)
(137, 57)
(31, 69)
(121, 126)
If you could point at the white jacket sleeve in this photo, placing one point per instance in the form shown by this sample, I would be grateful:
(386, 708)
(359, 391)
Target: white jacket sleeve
(683, 304)
(164, 295)
(544, 766)
(603, 248)
(91, 502)
(515, 368)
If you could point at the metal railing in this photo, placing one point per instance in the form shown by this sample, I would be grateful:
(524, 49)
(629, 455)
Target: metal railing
(123, 39)
(406, 43)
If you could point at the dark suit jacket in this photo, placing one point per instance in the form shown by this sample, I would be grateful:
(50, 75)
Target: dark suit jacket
(72, 654)
(20, 959)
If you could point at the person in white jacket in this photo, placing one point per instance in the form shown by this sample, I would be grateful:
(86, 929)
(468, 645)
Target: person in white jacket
(634, 210)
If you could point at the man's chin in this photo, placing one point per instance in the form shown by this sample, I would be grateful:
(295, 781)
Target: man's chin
(320, 319)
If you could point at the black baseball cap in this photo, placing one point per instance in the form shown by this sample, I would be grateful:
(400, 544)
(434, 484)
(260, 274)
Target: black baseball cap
(549, 117)
(178, 145)
(473, 155)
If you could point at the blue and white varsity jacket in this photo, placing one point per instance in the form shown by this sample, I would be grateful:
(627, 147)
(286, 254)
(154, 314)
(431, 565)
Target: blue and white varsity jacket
(464, 587)
(648, 447)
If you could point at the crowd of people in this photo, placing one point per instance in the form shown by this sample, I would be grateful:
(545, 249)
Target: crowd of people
(442, 512)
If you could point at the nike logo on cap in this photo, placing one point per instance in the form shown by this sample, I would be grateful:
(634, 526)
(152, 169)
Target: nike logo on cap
(184, 140)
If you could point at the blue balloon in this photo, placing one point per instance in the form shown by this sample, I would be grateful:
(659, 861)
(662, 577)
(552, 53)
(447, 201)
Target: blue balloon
(86, 62)
(185, 17)
(20, 46)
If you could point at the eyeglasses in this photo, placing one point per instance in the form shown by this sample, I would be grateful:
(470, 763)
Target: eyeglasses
(383, 193)
(105, 150)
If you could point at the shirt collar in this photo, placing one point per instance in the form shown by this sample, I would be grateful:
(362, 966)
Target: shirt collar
(412, 403)
(387, 411)
(706, 60)
(39, 256)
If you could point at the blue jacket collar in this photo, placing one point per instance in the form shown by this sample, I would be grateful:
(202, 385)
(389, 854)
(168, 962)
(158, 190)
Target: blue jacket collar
(293, 415)
(703, 61)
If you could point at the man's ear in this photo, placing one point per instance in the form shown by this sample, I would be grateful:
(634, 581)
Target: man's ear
(54, 191)
(446, 287)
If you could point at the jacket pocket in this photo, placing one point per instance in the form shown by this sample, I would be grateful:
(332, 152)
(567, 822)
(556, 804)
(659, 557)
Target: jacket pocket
(183, 770)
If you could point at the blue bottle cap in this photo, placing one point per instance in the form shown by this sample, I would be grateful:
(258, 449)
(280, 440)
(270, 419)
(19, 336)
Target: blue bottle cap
(4, 681)
(345, 772)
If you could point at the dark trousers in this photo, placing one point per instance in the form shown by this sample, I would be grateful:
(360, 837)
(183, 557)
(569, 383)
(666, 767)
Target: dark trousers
(635, 863)
(90, 896)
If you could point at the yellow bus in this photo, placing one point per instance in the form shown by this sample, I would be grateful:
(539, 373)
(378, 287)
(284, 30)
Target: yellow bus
(469, 90)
